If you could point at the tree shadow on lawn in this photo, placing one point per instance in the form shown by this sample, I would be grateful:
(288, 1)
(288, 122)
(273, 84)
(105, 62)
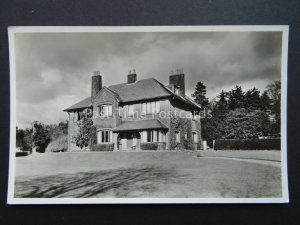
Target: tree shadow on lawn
(133, 182)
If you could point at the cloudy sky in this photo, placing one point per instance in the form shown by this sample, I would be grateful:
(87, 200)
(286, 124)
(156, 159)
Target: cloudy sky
(53, 70)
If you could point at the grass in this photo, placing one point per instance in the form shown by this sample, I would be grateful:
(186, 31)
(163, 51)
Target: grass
(142, 174)
(270, 155)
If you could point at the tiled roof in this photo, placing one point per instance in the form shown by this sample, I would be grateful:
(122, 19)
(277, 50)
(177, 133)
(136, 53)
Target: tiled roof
(141, 125)
(85, 103)
(140, 90)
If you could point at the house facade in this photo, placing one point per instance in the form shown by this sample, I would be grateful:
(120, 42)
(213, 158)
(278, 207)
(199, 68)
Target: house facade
(139, 114)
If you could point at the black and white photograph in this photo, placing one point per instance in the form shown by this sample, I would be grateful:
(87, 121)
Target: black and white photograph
(169, 114)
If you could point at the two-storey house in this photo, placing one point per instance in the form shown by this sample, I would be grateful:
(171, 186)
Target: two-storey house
(139, 114)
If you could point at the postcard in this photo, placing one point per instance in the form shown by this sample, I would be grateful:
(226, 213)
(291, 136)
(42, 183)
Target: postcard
(150, 114)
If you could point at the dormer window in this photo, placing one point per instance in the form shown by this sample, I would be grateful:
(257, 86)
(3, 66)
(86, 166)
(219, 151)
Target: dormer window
(105, 110)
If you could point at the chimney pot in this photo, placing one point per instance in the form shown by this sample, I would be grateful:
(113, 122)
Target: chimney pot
(132, 77)
(178, 81)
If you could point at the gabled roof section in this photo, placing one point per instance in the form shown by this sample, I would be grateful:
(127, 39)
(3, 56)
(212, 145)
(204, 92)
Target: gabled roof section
(85, 103)
(140, 90)
(109, 90)
(185, 98)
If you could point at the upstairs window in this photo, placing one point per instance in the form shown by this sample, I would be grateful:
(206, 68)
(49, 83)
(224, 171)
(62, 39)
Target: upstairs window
(105, 110)
(151, 107)
(132, 110)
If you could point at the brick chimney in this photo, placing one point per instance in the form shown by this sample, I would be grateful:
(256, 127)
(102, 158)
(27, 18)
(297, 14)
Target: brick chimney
(131, 78)
(177, 81)
(96, 83)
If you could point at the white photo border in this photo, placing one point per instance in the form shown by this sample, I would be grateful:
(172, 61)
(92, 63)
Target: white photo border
(68, 29)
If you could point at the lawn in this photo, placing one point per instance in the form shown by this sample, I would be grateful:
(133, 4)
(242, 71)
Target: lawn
(142, 174)
(270, 155)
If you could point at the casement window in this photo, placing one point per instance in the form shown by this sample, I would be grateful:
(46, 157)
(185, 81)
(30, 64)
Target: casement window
(195, 137)
(151, 107)
(105, 110)
(177, 136)
(144, 108)
(150, 136)
(157, 107)
(104, 136)
(131, 110)
(153, 136)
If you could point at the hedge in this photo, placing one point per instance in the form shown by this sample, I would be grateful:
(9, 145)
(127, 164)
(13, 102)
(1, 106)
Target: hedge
(20, 154)
(247, 144)
(102, 147)
(153, 146)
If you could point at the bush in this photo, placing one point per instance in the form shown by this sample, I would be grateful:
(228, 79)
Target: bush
(21, 154)
(247, 144)
(149, 146)
(102, 147)
(58, 145)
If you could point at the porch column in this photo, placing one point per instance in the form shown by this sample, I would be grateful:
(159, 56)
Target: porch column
(155, 136)
(115, 140)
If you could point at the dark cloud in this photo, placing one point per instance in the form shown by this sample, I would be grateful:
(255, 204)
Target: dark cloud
(54, 69)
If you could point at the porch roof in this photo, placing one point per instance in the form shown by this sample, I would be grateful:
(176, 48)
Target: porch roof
(140, 125)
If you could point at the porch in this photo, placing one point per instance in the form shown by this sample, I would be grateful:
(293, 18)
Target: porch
(141, 135)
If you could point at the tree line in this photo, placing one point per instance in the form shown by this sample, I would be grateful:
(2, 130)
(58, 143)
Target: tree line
(240, 115)
(39, 136)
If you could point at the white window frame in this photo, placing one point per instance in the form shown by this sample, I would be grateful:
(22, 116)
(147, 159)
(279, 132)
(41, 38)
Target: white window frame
(104, 134)
(177, 137)
(105, 110)
(144, 108)
(149, 135)
(195, 137)
(130, 110)
(157, 107)
(150, 107)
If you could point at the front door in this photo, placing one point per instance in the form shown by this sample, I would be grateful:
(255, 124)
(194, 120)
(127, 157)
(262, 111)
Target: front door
(129, 141)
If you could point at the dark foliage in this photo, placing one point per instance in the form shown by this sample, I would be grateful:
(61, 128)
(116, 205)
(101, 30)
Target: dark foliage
(40, 136)
(247, 144)
(149, 146)
(85, 124)
(102, 147)
(199, 94)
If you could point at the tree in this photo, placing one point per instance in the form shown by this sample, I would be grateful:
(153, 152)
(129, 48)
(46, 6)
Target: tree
(252, 99)
(242, 124)
(86, 132)
(265, 101)
(274, 91)
(40, 136)
(221, 105)
(236, 98)
(199, 94)
(236, 124)
(19, 138)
